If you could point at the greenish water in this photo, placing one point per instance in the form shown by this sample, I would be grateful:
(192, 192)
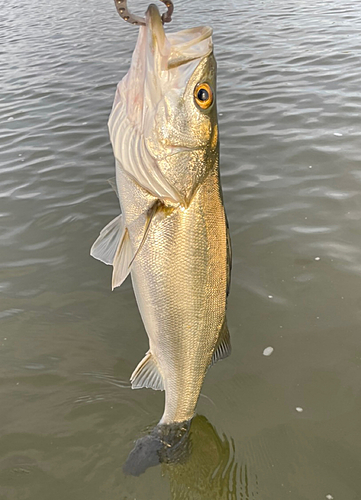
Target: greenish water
(282, 426)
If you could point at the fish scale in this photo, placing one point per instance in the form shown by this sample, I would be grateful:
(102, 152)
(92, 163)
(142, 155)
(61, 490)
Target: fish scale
(181, 294)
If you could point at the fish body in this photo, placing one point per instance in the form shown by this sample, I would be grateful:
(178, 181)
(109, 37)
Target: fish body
(172, 235)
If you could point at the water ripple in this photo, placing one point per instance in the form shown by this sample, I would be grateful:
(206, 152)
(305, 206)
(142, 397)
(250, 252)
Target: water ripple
(289, 106)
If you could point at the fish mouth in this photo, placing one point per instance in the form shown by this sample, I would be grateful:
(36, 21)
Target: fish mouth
(154, 24)
(178, 48)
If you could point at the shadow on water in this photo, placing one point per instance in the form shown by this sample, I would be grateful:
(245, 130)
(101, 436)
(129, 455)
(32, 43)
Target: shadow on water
(198, 462)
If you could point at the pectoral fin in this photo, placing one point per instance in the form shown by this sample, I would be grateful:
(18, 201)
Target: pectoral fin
(113, 184)
(105, 247)
(113, 248)
(154, 209)
(223, 347)
(122, 260)
(147, 374)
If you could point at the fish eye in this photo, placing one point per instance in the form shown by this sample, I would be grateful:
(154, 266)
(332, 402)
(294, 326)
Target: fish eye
(203, 95)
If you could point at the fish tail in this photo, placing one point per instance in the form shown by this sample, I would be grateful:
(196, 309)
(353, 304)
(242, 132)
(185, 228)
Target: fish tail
(164, 444)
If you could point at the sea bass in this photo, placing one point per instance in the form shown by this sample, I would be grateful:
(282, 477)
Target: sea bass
(172, 234)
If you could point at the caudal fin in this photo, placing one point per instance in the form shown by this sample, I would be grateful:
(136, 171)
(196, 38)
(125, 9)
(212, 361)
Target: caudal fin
(164, 444)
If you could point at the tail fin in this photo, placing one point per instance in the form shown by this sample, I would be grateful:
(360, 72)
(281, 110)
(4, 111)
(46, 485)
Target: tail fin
(164, 444)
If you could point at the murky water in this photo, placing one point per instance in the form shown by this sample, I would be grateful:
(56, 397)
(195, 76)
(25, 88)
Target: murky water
(269, 427)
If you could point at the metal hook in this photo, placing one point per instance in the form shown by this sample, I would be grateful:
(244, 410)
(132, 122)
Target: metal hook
(121, 6)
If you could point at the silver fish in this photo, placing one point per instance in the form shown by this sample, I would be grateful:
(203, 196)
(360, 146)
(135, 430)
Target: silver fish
(172, 234)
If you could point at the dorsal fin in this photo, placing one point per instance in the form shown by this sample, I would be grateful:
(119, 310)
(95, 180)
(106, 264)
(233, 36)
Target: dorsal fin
(229, 258)
(223, 347)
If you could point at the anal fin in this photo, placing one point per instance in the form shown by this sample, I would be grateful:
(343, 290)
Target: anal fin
(147, 374)
(223, 348)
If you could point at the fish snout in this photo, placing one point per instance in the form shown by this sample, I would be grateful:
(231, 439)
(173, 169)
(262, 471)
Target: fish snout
(155, 25)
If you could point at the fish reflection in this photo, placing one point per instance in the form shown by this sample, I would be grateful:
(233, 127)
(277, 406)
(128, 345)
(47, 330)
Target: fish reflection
(198, 462)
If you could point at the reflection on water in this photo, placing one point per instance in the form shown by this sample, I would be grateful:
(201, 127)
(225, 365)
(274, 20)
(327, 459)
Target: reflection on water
(211, 472)
(198, 462)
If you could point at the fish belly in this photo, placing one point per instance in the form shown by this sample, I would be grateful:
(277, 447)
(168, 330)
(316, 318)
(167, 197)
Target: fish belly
(180, 281)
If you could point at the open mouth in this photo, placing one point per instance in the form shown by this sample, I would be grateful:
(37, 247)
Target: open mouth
(180, 47)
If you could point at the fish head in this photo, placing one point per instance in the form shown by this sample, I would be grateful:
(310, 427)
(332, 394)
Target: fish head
(169, 98)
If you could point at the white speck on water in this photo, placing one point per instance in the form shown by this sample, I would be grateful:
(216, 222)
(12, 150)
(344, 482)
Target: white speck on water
(310, 166)
(337, 134)
(17, 383)
(20, 154)
(85, 123)
(329, 497)
(268, 351)
(281, 326)
(10, 119)
(299, 409)
(270, 296)
(317, 258)
(5, 338)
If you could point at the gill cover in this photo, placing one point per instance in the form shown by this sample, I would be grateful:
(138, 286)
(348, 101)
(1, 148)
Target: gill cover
(151, 90)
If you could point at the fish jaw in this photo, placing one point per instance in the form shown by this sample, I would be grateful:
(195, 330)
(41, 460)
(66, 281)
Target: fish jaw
(184, 140)
(154, 116)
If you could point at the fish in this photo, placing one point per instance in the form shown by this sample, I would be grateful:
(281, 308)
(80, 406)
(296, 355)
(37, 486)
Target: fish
(172, 234)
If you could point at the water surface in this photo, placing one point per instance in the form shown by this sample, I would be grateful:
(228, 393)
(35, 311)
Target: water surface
(282, 426)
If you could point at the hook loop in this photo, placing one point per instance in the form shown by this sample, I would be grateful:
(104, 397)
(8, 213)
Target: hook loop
(122, 9)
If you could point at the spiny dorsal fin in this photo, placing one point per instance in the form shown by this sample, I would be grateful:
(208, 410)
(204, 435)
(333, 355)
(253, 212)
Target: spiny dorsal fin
(223, 347)
(229, 258)
(147, 374)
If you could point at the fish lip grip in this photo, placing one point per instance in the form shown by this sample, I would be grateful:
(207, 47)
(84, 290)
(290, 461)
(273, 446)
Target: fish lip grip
(122, 9)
